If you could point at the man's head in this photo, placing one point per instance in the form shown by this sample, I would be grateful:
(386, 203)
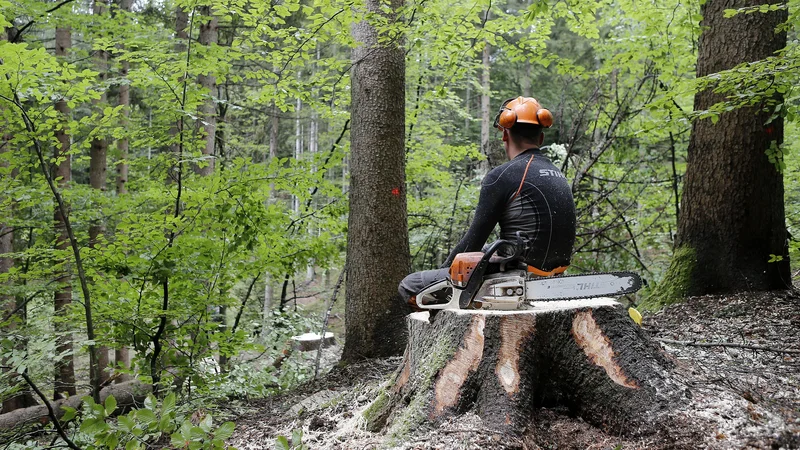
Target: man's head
(521, 120)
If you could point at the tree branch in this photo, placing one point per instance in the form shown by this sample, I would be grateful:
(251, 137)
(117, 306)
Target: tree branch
(50, 412)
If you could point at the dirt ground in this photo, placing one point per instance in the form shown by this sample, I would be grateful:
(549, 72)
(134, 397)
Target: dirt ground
(744, 394)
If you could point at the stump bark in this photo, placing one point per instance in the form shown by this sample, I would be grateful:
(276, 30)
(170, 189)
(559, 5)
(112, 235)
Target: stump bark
(587, 356)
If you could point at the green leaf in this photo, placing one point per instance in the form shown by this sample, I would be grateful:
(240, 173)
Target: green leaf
(206, 423)
(177, 440)
(197, 434)
(111, 441)
(146, 416)
(111, 405)
(93, 426)
(297, 437)
(169, 404)
(225, 431)
(281, 443)
(126, 423)
(69, 413)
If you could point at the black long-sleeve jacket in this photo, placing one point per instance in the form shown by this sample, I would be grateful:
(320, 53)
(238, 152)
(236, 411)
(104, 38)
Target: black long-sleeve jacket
(541, 206)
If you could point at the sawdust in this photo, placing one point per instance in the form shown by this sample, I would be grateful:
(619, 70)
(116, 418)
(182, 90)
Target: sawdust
(739, 398)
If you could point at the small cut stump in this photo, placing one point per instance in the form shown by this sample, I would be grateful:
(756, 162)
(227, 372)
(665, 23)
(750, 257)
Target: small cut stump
(587, 356)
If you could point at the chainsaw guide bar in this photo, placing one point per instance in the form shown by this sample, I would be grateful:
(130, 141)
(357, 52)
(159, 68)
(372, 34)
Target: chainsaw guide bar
(573, 287)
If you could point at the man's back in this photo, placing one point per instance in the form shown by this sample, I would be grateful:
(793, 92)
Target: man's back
(541, 207)
(527, 194)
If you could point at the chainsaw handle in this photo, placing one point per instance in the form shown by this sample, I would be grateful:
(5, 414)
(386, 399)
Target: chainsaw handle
(476, 278)
(519, 245)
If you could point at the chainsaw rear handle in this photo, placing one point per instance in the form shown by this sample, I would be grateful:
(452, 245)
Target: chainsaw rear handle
(519, 245)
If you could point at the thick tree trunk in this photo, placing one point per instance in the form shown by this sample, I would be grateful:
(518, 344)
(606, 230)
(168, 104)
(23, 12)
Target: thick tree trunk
(377, 242)
(585, 355)
(732, 216)
(65, 367)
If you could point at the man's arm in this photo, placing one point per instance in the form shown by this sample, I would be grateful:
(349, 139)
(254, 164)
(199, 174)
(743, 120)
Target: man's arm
(490, 205)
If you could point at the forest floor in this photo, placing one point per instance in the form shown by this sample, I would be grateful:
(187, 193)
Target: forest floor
(743, 396)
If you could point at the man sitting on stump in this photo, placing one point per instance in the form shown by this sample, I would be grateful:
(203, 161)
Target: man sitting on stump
(528, 194)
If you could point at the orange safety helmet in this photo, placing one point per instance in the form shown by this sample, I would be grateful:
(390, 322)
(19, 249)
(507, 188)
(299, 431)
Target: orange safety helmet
(522, 110)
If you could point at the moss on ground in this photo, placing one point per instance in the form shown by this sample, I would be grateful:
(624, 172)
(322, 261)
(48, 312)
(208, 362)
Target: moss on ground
(675, 285)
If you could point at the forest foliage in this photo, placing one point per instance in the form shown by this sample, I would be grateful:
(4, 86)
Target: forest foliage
(186, 266)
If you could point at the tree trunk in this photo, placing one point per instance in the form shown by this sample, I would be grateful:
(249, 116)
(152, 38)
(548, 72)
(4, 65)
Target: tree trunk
(378, 256)
(732, 217)
(273, 133)
(298, 146)
(9, 306)
(176, 131)
(208, 111)
(312, 150)
(122, 353)
(585, 355)
(64, 367)
(98, 167)
(125, 103)
(486, 118)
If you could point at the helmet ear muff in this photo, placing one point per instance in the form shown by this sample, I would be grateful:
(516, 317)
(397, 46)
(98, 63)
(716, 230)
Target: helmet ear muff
(545, 118)
(507, 118)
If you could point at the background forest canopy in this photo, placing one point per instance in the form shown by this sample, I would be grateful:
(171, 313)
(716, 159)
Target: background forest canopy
(194, 156)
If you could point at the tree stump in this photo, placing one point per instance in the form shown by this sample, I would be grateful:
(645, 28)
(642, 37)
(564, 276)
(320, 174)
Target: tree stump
(311, 341)
(586, 355)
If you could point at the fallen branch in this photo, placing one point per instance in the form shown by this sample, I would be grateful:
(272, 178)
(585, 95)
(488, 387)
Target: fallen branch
(730, 344)
(126, 394)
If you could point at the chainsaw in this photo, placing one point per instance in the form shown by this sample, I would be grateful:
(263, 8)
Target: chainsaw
(486, 280)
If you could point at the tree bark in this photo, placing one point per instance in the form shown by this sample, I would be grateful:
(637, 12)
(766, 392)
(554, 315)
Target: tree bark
(732, 216)
(585, 355)
(122, 352)
(378, 256)
(208, 111)
(98, 168)
(176, 131)
(65, 367)
(8, 303)
(486, 94)
(125, 102)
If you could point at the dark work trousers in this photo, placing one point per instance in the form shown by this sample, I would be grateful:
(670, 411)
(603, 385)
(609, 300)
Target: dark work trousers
(417, 281)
